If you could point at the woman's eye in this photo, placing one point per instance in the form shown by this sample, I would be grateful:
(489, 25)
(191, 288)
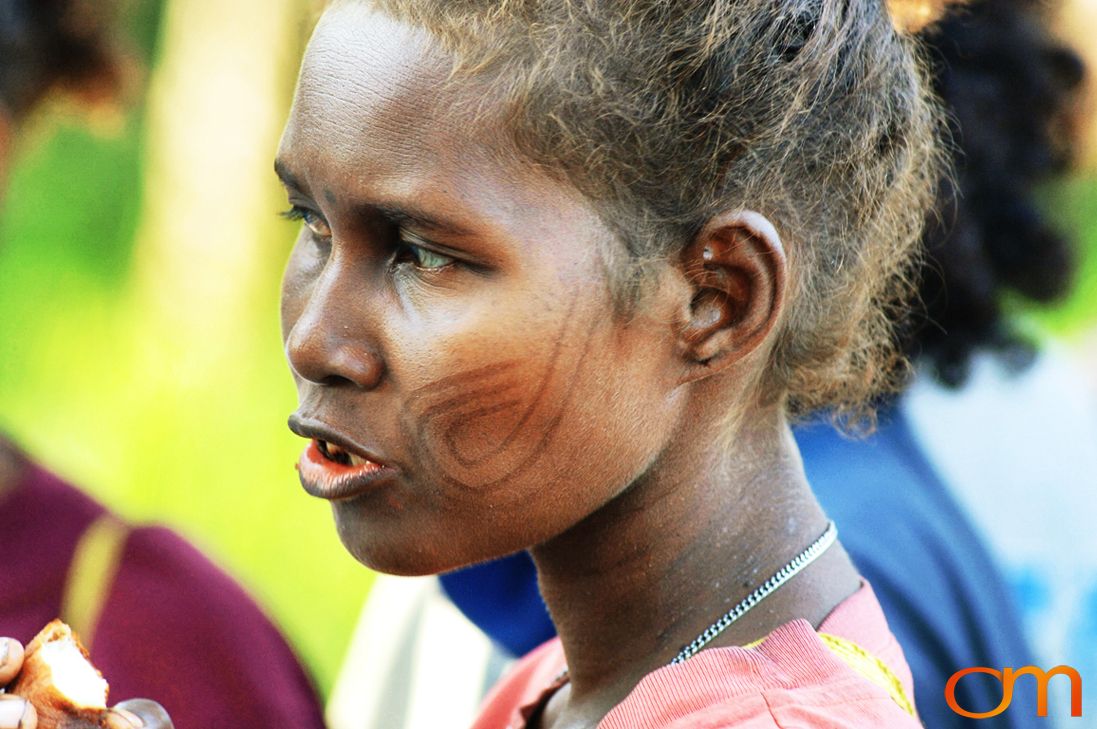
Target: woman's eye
(310, 218)
(421, 257)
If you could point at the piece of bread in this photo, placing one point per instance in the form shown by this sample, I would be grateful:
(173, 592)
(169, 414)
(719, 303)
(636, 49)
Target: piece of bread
(58, 678)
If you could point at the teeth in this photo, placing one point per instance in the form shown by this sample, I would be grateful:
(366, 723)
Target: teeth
(341, 455)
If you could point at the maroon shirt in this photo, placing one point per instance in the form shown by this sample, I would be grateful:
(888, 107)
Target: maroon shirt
(174, 628)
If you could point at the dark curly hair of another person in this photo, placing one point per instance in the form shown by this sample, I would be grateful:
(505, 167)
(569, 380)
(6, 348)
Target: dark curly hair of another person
(1010, 87)
(55, 45)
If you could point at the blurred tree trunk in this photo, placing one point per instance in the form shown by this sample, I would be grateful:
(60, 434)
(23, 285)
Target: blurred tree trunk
(204, 385)
(208, 236)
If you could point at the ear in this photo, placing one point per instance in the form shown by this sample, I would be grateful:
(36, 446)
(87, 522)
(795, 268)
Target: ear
(737, 271)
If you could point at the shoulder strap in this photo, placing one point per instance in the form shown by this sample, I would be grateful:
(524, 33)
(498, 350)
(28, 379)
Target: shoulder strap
(94, 566)
(870, 667)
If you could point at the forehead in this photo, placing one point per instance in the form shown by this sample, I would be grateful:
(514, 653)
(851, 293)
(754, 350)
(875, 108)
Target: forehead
(378, 122)
(374, 91)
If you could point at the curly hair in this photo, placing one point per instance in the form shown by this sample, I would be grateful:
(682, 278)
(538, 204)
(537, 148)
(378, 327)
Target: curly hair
(49, 45)
(1010, 88)
(816, 113)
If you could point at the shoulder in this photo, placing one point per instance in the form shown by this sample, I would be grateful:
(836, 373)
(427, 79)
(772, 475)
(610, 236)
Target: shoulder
(178, 629)
(943, 593)
(791, 680)
(44, 518)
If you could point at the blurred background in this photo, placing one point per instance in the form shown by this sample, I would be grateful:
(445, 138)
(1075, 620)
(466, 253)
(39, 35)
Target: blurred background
(140, 354)
(141, 253)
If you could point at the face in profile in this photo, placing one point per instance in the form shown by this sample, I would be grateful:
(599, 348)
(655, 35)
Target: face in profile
(467, 385)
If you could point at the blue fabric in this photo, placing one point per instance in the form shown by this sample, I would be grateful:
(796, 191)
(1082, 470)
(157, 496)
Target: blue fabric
(944, 598)
(502, 599)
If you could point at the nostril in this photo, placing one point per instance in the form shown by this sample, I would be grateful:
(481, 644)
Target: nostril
(336, 381)
(356, 364)
(324, 360)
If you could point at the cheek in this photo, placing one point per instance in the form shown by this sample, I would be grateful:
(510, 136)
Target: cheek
(296, 283)
(563, 403)
(500, 406)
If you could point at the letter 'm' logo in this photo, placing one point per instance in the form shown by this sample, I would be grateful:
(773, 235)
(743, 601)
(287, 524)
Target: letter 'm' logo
(1007, 677)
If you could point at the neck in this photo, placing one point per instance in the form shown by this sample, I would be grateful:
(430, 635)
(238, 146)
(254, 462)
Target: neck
(641, 578)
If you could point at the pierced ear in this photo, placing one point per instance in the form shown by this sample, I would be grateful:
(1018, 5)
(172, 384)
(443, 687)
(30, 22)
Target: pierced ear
(736, 268)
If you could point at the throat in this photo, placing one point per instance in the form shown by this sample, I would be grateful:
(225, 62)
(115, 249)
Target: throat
(647, 576)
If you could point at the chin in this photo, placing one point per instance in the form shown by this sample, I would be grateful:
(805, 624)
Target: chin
(405, 550)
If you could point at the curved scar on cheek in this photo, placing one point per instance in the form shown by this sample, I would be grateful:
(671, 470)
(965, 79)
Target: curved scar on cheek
(481, 427)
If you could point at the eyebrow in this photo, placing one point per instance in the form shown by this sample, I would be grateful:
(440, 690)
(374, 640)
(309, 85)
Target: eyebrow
(402, 215)
(288, 178)
(406, 216)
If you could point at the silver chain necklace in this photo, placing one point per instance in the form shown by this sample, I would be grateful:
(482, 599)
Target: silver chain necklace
(796, 565)
(783, 575)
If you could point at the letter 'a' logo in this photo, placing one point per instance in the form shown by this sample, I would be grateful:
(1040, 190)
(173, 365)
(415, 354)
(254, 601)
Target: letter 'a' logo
(1007, 678)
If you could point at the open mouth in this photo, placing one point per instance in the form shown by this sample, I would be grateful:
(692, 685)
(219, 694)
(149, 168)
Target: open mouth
(336, 469)
(329, 471)
(341, 456)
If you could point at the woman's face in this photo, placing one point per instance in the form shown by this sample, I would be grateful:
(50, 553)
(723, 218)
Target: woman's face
(466, 382)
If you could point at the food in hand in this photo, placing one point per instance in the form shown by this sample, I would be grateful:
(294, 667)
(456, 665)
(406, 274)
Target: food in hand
(58, 678)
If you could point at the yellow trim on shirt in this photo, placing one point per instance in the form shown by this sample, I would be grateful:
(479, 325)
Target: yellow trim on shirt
(866, 664)
(94, 565)
(870, 667)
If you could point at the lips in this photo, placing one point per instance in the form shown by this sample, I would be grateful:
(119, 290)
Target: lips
(334, 469)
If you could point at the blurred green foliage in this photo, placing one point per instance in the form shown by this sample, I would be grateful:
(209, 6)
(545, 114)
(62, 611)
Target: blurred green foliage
(210, 456)
(95, 390)
(1074, 203)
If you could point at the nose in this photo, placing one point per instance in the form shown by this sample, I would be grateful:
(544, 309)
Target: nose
(327, 344)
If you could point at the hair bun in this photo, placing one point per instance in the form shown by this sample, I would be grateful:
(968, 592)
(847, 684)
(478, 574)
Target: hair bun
(911, 16)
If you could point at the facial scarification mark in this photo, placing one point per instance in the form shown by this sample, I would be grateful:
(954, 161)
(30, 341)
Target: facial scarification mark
(473, 428)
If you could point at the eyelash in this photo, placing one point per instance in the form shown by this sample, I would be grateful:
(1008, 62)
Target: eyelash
(308, 217)
(406, 251)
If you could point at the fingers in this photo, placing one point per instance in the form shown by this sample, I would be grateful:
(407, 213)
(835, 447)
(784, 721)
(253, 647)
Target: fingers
(11, 660)
(136, 714)
(122, 719)
(17, 713)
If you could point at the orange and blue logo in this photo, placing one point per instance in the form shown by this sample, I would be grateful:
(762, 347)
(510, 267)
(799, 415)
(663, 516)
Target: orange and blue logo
(1008, 677)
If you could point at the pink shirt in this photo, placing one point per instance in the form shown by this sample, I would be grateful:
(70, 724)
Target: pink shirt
(792, 680)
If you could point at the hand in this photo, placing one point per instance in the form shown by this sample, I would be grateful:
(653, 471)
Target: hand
(18, 713)
(15, 713)
(138, 714)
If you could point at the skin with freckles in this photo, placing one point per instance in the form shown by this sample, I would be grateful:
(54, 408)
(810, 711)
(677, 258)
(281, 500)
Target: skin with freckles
(447, 315)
